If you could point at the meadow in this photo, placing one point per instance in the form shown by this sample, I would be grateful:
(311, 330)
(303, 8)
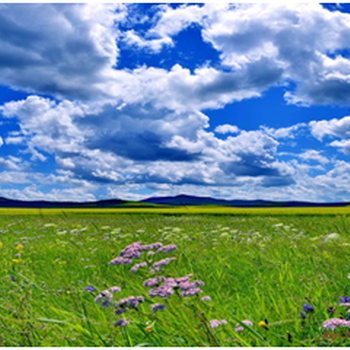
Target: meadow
(285, 271)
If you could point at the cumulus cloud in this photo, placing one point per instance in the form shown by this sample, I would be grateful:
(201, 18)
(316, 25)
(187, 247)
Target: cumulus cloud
(119, 128)
(313, 155)
(226, 129)
(333, 128)
(304, 41)
(59, 49)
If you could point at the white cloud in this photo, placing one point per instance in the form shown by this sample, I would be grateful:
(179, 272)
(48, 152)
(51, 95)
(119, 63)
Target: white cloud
(227, 129)
(314, 155)
(68, 50)
(334, 127)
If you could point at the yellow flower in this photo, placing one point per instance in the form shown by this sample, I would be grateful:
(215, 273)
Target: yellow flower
(19, 246)
(263, 324)
(17, 260)
(1, 244)
(68, 292)
(148, 329)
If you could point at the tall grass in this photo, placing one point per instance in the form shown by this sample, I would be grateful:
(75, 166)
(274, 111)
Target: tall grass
(256, 267)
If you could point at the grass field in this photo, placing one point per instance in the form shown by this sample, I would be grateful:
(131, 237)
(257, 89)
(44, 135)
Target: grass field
(259, 267)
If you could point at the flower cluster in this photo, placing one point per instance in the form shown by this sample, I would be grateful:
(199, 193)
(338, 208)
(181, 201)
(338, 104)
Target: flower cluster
(167, 248)
(334, 323)
(157, 307)
(130, 302)
(168, 285)
(157, 265)
(217, 323)
(137, 266)
(105, 298)
(344, 301)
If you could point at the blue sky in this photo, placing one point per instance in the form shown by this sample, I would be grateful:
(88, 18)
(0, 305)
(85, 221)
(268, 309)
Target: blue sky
(248, 101)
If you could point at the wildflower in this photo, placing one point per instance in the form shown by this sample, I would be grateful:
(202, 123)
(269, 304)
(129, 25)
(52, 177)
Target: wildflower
(191, 292)
(206, 298)
(105, 304)
(157, 265)
(167, 248)
(157, 307)
(151, 282)
(162, 291)
(122, 323)
(120, 261)
(334, 323)
(263, 324)
(120, 311)
(132, 251)
(1, 245)
(217, 323)
(344, 301)
(105, 297)
(19, 246)
(12, 278)
(148, 329)
(17, 260)
(183, 279)
(240, 328)
(131, 301)
(190, 285)
(115, 289)
(137, 266)
(151, 246)
(90, 289)
(308, 308)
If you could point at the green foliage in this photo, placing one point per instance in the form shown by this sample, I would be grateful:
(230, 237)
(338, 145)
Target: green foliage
(255, 267)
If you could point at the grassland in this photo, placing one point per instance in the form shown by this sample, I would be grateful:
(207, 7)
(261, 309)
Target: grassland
(261, 266)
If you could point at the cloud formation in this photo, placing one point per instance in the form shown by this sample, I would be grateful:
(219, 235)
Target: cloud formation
(106, 126)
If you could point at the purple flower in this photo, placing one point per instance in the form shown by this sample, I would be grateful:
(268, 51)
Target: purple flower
(157, 307)
(217, 323)
(90, 289)
(157, 265)
(105, 297)
(122, 323)
(120, 261)
(137, 266)
(12, 278)
(132, 254)
(190, 285)
(151, 246)
(115, 289)
(308, 308)
(344, 301)
(151, 282)
(240, 328)
(120, 311)
(106, 303)
(206, 298)
(334, 323)
(183, 279)
(162, 291)
(131, 302)
(167, 248)
(191, 292)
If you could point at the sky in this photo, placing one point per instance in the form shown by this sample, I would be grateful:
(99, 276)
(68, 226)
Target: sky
(235, 101)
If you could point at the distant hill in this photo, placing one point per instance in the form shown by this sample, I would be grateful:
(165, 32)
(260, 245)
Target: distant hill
(10, 203)
(193, 200)
(180, 200)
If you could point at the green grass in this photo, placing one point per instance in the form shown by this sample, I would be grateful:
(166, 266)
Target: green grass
(255, 267)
